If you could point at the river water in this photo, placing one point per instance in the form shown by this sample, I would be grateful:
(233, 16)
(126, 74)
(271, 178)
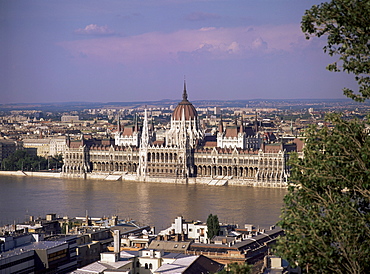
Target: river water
(148, 203)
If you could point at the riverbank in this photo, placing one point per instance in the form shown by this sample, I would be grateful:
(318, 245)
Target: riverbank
(215, 181)
(31, 173)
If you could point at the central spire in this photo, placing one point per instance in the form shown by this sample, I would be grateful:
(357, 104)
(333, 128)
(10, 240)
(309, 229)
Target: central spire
(184, 94)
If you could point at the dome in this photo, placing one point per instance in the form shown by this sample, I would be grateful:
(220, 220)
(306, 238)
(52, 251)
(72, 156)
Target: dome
(184, 107)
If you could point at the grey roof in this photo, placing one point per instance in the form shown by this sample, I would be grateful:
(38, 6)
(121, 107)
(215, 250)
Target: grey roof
(169, 245)
(244, 244)
(172, 255)
(99, 267)
(190, 264)
(127, 228)
(178, 266)
(30, 247)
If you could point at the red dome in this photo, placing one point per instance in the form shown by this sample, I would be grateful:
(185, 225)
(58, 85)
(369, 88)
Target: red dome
(184, 107)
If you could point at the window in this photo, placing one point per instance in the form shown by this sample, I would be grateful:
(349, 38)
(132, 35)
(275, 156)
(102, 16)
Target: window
(146, 266)
(150, 266)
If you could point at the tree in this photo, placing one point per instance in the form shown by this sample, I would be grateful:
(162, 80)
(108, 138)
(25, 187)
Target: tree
(56, 161)
(22, 160)
(213, 226)
(347, 26)
(326, 217)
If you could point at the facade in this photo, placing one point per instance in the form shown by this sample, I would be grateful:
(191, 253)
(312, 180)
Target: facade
(47, 146)
(57, 145)
(28, 255)
(41, 145)
(239, 157)
(127, 136)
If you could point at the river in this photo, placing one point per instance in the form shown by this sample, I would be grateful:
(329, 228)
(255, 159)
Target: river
(148, 203)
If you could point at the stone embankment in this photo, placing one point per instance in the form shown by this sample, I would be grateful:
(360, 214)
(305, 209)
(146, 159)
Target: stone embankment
(31, 173)
(217, 181)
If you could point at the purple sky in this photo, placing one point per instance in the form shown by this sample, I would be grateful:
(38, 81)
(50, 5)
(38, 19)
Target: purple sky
(133, 50)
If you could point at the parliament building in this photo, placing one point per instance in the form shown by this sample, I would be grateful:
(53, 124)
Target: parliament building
(240, 155)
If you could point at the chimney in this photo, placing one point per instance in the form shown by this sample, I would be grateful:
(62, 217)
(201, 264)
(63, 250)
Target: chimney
(117, 241)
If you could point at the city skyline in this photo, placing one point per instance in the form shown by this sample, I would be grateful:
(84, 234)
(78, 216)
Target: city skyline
(127, 51)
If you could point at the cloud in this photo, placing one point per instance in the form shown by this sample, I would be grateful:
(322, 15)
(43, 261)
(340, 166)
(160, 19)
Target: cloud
(205, 43)
(201, 16)
(259, 44)
(95, 30)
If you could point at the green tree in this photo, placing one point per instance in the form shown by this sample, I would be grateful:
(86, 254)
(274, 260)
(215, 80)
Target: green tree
(235, 268)
(213, 226)
(56, 161)
(346, 24)
(326, 217)
(22, 160)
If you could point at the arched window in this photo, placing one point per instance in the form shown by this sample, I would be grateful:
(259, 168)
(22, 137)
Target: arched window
(146, 266)
(150, 266)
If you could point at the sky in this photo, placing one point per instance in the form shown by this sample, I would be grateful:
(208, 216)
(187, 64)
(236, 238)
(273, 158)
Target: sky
(142, 50)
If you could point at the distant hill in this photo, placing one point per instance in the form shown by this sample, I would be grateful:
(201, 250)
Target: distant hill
(255, 103)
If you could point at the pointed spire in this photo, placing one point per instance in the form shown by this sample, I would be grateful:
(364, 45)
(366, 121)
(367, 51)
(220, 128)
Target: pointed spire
(256, 123)
(136, 127)
(151, 122)
(241, 129)
(184, 94)
(221, 125)
(119, 124)
(145, 132)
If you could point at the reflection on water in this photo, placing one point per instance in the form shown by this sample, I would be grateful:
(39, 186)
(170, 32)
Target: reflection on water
(149, 203)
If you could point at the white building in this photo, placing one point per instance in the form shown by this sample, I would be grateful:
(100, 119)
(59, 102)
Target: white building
(238, 137)
(127, 136)
(69, 118)
(193, 230)
(58, 145)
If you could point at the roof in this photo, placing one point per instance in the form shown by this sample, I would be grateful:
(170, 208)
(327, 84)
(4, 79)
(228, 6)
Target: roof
(231, 132)
(42, 245)
(204, 265)
(249, 131)
(210, 144)
(169, 245)
(99, 267)
(190, 264)
(178, 266)
(184, 108)
(128, 131)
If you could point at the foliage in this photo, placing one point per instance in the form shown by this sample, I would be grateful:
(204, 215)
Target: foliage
(347, 26)
(326, 216)
(213, 226)
(55, 162)
(66, 226)
(22, 160)
(235, 268)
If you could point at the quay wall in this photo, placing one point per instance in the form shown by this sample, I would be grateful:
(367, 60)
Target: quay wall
(31, 173)
(130, 177)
